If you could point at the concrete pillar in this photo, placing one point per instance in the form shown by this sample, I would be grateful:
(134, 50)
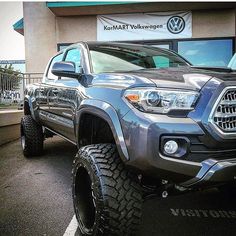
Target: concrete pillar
(40, 35)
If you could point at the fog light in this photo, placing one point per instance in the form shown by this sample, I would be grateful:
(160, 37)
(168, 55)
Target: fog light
(171, 147)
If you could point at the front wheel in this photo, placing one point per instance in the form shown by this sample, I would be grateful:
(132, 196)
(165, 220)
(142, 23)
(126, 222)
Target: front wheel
(31, 137)
(107, 200)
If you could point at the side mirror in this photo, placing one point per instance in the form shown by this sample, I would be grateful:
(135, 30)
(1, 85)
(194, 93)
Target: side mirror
(65, 69)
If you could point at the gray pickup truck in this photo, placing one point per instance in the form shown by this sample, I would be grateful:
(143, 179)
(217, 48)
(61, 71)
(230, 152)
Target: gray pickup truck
(143, 120)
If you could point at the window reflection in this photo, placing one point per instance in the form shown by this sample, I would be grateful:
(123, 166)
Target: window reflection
(206, 52)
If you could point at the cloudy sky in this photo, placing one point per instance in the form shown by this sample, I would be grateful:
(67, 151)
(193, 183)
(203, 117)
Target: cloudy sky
(11, 42)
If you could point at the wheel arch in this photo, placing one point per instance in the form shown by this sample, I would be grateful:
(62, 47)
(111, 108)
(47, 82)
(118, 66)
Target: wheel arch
(28, 106)
(107, 113)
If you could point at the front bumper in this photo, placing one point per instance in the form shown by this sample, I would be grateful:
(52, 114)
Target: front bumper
(143, 135)
(213, 172)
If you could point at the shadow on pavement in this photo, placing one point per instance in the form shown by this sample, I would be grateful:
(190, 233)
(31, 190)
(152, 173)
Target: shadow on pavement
(35, 196)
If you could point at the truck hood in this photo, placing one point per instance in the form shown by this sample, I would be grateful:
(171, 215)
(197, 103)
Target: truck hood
(177, 77)
(183, 77)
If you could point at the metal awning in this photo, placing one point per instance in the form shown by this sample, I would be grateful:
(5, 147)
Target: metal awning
(89, 8)
(19, 26)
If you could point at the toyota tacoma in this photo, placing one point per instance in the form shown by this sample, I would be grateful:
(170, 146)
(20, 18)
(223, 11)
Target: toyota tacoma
(144, 120)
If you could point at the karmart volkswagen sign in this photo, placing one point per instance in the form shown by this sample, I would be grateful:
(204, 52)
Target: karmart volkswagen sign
(144, 26)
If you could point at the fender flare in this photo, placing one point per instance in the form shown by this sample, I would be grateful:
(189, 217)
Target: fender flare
(28, 99)
(109, 114)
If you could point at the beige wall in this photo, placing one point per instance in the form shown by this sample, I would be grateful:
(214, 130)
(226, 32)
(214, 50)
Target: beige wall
(73, 29)
(206, 23)
(214, 23)
(40, 35)
(43, 30)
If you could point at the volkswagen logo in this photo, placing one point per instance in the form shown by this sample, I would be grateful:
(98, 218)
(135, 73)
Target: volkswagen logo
(176, 24)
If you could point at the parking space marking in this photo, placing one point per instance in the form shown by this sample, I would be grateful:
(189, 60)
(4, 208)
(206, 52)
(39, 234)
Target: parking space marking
(72, 227)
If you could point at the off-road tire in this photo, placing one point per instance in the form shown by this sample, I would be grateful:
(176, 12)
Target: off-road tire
(31, 137)
(107, 198)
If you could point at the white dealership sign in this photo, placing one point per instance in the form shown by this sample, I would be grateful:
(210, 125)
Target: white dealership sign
(144, 26)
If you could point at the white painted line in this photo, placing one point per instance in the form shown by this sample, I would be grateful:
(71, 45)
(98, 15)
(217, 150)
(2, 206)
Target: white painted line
(72, 227)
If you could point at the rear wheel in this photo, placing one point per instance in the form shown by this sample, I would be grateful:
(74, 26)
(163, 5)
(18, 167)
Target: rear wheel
(107, 199)
(31, 137)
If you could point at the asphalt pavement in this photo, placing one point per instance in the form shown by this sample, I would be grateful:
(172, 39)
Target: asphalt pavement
(35, 199)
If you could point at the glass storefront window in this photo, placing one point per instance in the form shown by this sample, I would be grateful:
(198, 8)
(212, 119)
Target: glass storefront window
(207, 52)
(165, 46)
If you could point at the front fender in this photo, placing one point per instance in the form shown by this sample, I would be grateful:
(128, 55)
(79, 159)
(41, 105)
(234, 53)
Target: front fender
(30, 101)
(109, 114)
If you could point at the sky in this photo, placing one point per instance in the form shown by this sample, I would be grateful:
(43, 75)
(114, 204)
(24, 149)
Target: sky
(11, 42)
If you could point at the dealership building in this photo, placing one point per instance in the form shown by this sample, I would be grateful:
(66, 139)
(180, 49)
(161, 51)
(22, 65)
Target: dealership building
(202, 32)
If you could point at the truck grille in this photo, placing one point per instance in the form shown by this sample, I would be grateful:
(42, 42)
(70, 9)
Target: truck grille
(225, 113)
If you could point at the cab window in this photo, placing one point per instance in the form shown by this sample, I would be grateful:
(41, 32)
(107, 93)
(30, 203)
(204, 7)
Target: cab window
(74, 55)
(161, 61)
(57, 58)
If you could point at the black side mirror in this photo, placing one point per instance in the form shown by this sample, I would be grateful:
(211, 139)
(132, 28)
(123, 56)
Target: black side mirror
(65, 69)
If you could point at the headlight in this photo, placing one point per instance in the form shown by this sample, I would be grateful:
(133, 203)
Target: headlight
(161, 100)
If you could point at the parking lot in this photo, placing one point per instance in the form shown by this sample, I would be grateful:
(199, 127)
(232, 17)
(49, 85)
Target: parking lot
(35, 199)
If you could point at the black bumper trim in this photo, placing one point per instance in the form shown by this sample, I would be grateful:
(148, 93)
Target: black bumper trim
(213, 172)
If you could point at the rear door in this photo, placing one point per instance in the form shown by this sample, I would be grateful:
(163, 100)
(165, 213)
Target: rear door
(44, 94)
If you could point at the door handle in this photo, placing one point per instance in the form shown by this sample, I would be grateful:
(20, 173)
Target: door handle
(41, 90)
(55, 91)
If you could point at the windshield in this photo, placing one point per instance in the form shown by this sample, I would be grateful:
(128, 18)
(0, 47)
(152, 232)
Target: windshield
(232, 63)
(116, 58)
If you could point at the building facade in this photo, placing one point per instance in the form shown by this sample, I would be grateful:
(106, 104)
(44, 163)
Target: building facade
(204, 33)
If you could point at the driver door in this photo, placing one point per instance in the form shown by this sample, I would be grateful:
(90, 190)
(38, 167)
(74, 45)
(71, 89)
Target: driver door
(66, 92)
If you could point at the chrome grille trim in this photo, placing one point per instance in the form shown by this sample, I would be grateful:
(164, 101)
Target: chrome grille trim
(223, 114)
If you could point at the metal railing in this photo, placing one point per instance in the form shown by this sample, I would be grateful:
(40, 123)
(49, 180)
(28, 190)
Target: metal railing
(13, 84)
(31, 78)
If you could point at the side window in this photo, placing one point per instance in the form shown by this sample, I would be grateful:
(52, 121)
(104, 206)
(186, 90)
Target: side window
(57, 58)
(74, 55)
(161, 61)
